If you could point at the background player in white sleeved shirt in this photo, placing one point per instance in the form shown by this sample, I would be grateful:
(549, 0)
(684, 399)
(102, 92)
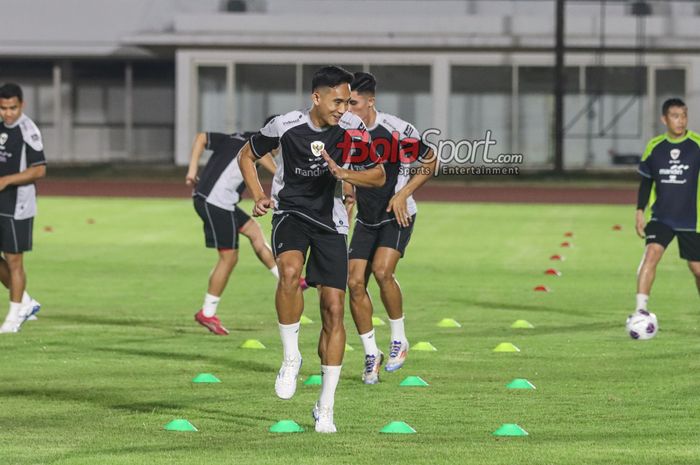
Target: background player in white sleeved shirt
(217, 191)
(309, 217)
(22, 162)
(385, 219)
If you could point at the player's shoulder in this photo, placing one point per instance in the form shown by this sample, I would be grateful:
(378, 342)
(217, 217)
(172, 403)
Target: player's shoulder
(694, 136)
(30, 132)
(290, 120)
(351, 121)
(394, 124)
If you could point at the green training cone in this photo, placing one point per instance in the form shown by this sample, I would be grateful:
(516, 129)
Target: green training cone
(180, 425)
(522, 324)
(448, 323)
(313, 380)
(348, 348)
(506, 347)
(412, 381)
(205, 378)
(397, 427)
(520, 383)
(426, 346)
(510, 429)
(252, 344)
(376, 321)
(286, 426)
(305, 320)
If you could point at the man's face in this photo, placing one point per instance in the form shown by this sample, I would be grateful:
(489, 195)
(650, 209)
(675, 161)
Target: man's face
(10, 110)
(676, 120)
(331, 103)
(361, 105)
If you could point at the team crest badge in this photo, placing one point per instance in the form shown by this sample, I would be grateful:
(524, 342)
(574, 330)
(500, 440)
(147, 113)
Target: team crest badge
(675, 153)
(3, 138)
(317, 147)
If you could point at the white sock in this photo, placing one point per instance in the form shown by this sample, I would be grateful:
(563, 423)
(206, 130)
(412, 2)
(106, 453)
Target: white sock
(397, 330)
(642, 300)
(369, 343)
(290, 339)
(26, 298)
(331, 376)
(15, 308)
(275, 272)
(210, 304)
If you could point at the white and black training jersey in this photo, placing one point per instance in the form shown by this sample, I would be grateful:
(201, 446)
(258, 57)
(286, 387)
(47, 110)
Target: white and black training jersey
(221, 181)
(397, 144)
(20, 147)
(303, 185)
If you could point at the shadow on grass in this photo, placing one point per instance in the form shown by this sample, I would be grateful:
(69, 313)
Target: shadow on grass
(246, 365)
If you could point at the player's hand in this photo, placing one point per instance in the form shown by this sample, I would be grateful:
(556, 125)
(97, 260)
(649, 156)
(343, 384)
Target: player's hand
(191, 178)
(338, 172)
(640, 223)
(399, 205)
(262, 206)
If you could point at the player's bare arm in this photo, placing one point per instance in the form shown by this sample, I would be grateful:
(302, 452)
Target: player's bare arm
(398, 203)
(246, 161)
(198, 146)
(349, 198)
(373, 177)
(268, 163)
(27, 176)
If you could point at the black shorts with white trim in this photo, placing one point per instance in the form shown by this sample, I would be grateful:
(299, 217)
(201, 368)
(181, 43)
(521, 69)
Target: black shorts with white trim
(16, 235)
(367, 239)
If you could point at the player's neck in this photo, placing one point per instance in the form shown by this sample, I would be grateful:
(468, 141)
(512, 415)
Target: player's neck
(671, 136)
(316, 120)
(371, 118)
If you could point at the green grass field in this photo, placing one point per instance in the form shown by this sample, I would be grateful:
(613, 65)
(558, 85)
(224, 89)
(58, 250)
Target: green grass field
(111, 359)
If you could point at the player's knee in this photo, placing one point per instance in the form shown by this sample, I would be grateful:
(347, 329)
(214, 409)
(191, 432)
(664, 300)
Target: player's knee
(14, 262)
(357, 286)
(383, 275)
(695, 269)
(289, 276)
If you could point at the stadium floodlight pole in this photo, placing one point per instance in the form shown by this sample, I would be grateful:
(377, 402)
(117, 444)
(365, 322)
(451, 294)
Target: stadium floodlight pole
(559, 78)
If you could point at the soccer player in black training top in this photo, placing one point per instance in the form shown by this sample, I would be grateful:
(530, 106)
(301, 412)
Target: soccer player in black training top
(317, 146)
(216, 194)
(669, 167)
(21, 163)
(385, 219)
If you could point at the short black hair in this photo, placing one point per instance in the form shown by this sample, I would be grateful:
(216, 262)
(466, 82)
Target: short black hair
(364, 83)
(330, 76)
(11, 90)
(268, 119)
(672, 102)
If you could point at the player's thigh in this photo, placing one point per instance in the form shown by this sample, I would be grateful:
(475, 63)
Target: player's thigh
(328, 260)
(246, 225)
(689, 246)
(357, 274)
(393, 236)
(657, 237)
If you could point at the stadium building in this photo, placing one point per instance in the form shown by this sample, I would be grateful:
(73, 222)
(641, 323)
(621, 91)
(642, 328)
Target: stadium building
(137, 80)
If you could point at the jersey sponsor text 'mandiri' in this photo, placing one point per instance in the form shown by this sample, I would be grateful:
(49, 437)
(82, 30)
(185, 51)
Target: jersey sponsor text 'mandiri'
(303, 185)
(20, 147)
(674, 166)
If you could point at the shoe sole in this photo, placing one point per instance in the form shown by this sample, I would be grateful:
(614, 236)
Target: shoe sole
(212, 328)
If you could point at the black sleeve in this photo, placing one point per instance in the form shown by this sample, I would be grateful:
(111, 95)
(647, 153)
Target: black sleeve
(644, 192)
(214, 139)
(35, 157)
(262, 144)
